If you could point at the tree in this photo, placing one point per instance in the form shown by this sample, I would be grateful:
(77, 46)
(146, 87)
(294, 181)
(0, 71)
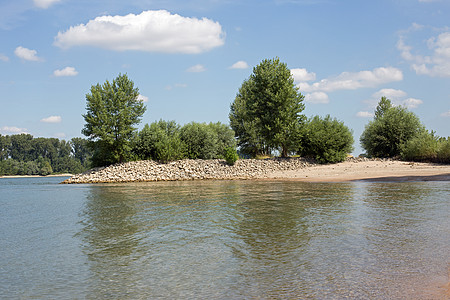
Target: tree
(112, 111)
(327, 140)
(266, 112)
(200, 140)
(160, 141)
(391, 128)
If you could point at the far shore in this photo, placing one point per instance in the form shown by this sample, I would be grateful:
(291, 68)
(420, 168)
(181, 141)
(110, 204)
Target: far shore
(36, 176)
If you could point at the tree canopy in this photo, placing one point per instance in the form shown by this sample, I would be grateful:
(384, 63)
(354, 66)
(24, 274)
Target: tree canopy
(390, 129)
(113, 109)
(265, 114)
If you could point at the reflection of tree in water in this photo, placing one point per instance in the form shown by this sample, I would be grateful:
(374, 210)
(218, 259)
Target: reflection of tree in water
(279, 224)
(110, 241)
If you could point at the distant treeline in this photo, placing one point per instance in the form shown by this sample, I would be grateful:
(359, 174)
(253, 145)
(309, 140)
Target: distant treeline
(22, 154)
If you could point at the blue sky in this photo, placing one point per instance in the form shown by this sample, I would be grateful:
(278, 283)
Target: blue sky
(188, 58)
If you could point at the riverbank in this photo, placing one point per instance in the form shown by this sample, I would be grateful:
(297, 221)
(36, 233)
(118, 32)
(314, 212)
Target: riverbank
(36, 176)
(298, 169)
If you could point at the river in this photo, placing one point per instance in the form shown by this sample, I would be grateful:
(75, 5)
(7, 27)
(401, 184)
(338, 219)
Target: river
(223, 240)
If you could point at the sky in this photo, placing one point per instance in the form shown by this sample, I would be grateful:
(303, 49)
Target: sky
(189, 57)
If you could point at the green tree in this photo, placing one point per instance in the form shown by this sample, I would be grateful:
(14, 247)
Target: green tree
(160, 141)
(327, 140)
(424, 146)
(271, 104)
(200, 140)
(80, 150)
(113, 109)
(383, 106)
(391, 128)
(5, 146)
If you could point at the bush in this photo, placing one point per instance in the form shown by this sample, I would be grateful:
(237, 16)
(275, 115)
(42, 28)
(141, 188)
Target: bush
(160, 141)
(386, 135)
(231, 155)
(327, 140)
(423, 147)
(443, 154)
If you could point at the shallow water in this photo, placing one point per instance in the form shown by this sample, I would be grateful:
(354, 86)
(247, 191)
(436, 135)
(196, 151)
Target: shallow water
(223, 240)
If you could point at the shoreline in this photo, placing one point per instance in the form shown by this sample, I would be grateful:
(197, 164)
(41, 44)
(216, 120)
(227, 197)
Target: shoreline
(36, 176)
(290, 169)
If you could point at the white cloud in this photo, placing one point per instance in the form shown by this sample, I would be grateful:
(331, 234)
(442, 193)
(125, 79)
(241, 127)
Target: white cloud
(446, 114)
(437, 63)
(364, 114)
(12, 130)
(143, 98)
(239, 65)
(354, 80)
(4, 57)
(397, 97)
(196, 69)
(176, 85)
(152, 31)
(391, 94)
(44, 3)
(52, 119)
(26, 54)
(67, 71)
(411, 103)
(317, 98)
(60, 135)
(302, 75)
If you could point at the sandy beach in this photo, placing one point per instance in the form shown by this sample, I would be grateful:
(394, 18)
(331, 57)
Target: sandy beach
(372, 170)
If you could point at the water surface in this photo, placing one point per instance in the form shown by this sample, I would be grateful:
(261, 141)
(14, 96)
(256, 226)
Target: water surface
(223, 240)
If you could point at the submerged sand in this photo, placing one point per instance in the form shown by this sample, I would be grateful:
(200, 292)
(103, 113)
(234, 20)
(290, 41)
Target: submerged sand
(372, 170)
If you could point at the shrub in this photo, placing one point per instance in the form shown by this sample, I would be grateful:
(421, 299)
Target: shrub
(327, 140)
(443, 154)
(160, 141)
(423, 147)
(230, 155)
(201, 140)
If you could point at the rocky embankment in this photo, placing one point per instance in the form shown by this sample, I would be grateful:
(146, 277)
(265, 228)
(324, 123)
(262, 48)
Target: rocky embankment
(148, 170)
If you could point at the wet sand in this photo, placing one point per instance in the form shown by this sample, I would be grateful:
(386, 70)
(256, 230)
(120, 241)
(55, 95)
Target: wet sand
(388, 170)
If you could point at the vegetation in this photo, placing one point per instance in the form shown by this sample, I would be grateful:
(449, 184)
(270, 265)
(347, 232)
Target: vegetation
(113, 109)
(327, 140)
(391, 128)
(427, 147)
(265, 114)
(231, 155)
(24, 155)
(167, 141)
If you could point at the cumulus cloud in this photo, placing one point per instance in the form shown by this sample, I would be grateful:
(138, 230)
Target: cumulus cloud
(446, 114)
(302, 75)
(152, 31)
(317, 98)
(196, 69)
(45, 3)
(411, 103)
(26, 54)
(4, 57)
(143, 98)
(12, 130)
(436, 63)
(67, 71)
(52, 119)
(239, 65)
(397, 97)
(364, 114)
(354, 80)
(176, 85)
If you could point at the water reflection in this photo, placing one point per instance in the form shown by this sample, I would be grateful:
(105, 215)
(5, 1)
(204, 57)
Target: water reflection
(236, 239)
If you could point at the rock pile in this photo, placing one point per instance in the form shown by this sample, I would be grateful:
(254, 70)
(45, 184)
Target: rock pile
(148, 170)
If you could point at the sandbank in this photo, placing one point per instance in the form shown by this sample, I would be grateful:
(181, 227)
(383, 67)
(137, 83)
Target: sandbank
(370, 170)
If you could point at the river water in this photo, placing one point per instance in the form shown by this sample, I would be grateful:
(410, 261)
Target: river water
(223, 240)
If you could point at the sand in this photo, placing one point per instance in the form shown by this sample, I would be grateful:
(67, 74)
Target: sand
(387, 170)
